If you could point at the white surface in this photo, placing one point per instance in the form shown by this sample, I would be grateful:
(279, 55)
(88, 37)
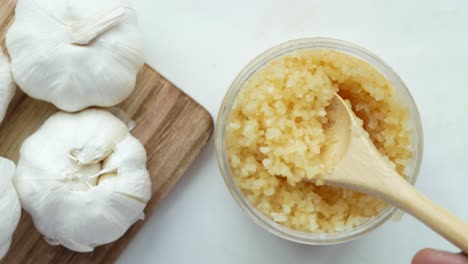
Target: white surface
(202, 45)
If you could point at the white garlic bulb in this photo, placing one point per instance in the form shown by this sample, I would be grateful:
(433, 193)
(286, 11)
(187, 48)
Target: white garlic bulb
(10, 208)
(7, 86)
(75, 53)
(83, 179)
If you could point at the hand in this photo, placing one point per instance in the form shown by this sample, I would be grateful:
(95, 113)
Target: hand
(433, 256)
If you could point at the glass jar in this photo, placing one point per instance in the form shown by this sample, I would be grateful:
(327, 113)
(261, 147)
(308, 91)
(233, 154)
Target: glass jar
(220, 134)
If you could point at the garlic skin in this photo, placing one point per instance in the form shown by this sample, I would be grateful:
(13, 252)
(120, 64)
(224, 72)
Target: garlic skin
(75, 53)
(7, 85)
(10, 208)
(83, 179)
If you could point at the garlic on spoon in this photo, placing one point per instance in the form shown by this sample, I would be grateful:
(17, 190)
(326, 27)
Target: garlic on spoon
(10, 208)
(7, 86)
(83, 179)
(75, 53)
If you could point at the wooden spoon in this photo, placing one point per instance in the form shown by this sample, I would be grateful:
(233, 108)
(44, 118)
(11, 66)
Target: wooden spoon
(361, 167)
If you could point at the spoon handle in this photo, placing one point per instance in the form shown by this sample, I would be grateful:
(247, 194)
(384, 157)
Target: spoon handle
(407, 198)
(364, 169)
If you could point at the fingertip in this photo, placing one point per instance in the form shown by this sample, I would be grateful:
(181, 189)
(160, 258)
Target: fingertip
(423, 256)
(433, 256)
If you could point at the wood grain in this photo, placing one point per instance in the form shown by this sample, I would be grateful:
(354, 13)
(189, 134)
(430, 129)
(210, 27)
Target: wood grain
(172, 126)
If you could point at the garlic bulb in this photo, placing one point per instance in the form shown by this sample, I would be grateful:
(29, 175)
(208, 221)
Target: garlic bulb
(10, 208)
(75, 53)
(7, 86)
(83, 179)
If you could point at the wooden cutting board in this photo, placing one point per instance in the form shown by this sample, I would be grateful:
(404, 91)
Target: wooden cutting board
(172, 126)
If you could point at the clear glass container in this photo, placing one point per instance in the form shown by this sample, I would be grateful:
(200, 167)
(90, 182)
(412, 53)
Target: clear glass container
(220, 134)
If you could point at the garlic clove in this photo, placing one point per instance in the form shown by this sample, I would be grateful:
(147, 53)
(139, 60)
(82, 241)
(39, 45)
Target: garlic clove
(76, 53)
(10, 209)
(83, 179)
(129, 157)
(7, 86)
